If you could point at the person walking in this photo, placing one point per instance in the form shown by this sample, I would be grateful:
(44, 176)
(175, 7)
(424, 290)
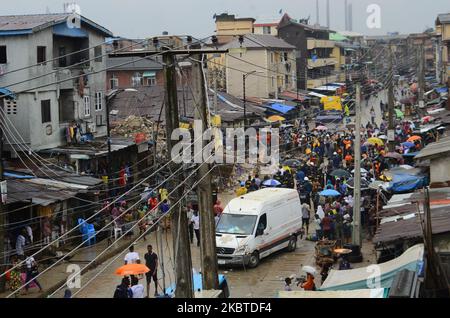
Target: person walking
(190, 213)
(137, 289)
(196, 222)
(306, 215)
(327, 226)
(20, 244)
(151, 261)
(123, 290)
(132, 257)
(32, 272)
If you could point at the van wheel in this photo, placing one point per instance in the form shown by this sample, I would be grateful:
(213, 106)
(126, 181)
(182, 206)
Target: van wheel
(254, 260)
(292, 244)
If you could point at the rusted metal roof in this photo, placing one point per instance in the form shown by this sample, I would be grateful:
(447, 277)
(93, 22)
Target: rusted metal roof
(23, 191)
(411, 228)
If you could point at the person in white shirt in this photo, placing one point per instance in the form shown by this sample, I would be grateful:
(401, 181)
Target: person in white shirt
(30, 233)
(32, 272)
(196, 221)
(132, 257)
(20, 244)
(136, 288)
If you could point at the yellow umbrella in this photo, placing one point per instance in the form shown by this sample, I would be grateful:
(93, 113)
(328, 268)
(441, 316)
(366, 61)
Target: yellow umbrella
(275, 118)
(374, 141)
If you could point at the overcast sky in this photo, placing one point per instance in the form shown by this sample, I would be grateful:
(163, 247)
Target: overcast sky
(145, 18)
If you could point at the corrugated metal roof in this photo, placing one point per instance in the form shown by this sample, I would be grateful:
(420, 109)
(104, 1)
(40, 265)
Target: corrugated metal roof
(17, 24)
(22, 191)
(435, 148)
(259, 41)
(411, 228)
(444, 18)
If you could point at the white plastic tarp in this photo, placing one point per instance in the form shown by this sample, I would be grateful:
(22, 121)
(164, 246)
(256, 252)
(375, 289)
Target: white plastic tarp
(358, 293)
(368, 277)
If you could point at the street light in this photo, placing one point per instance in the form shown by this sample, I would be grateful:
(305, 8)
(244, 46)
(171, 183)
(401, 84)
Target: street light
(244, 78)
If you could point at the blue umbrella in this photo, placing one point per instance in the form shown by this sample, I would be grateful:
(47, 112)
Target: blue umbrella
(329, 193)
(408, 144)
(271, 183)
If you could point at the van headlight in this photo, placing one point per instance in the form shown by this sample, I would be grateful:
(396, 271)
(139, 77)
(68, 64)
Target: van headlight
(241, 250)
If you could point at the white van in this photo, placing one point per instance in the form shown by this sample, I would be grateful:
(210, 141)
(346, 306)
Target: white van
(258, 224)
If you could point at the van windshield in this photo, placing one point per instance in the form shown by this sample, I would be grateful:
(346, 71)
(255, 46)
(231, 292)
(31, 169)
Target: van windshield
(236, 224)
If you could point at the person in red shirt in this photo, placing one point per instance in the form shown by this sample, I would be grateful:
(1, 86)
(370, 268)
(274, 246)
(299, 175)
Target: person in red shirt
(327, 227)
(218, 208)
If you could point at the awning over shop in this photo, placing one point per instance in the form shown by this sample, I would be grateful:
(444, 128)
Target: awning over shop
(317, 95)
(355, 279)
(280, 108)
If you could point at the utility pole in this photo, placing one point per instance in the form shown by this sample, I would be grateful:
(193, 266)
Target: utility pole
(357, 178)
(2, 215)
(421, 77)
(317, 13)
(391, 101)
(215, 80)
(244, 77)
(182, 249)
(210, 278)
(328, 14)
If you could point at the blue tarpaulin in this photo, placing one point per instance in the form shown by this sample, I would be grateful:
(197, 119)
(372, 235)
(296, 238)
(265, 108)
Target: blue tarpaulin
(6, 92)
(441, 90)
(283, 109)
(404, 183)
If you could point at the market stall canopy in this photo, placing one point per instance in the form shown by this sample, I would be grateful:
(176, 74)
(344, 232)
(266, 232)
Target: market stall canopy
(364, 184)
(280, 108)
(355, 279)
(394, 155)
(404, 183)
(349, 294)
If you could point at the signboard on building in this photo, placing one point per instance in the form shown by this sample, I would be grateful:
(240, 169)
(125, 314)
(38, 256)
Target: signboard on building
(391, 135)
(143, 147)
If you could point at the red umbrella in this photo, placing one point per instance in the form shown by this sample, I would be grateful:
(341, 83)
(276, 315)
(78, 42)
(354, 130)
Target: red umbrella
(427, 119)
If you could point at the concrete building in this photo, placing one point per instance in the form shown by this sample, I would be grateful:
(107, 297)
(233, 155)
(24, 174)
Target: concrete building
(426, 41)
(272, 60)
(229, 27)
(443, 32)
(270, 28)
(438, 153)
(45, 107)
(315, 63)
(125, 72)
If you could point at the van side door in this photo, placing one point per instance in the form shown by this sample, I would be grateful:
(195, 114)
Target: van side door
(261, 239)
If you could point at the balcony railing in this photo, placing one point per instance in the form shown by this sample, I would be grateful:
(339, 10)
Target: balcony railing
(321, 62)
(313, 43)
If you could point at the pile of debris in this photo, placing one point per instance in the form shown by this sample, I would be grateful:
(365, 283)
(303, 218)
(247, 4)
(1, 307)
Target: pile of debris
(133, 125)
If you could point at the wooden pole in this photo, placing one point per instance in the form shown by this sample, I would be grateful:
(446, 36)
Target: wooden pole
(207, 222)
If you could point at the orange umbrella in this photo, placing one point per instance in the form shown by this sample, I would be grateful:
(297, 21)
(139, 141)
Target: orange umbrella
(132, 269)
(414, 138)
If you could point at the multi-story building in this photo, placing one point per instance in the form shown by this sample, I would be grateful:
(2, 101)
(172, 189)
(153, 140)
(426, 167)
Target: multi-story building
(315, 62)
(270, 28)
(268, 63)
(228, 27)
(61, 80)
(424, 40)
(443, 54)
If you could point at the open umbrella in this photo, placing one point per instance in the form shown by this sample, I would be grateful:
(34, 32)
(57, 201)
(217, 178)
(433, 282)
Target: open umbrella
(407, 167)
(394, 155)
(383, 137)
(364, 183)
(408, 144)
(329, 193)
(340, 173)
(132, 269)
(414, 138)
(292, 163)
(321, 128)
(399, 114)
(271, 183)
(363, 171)
(310, 270)
(376, 141)
(275, 118)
